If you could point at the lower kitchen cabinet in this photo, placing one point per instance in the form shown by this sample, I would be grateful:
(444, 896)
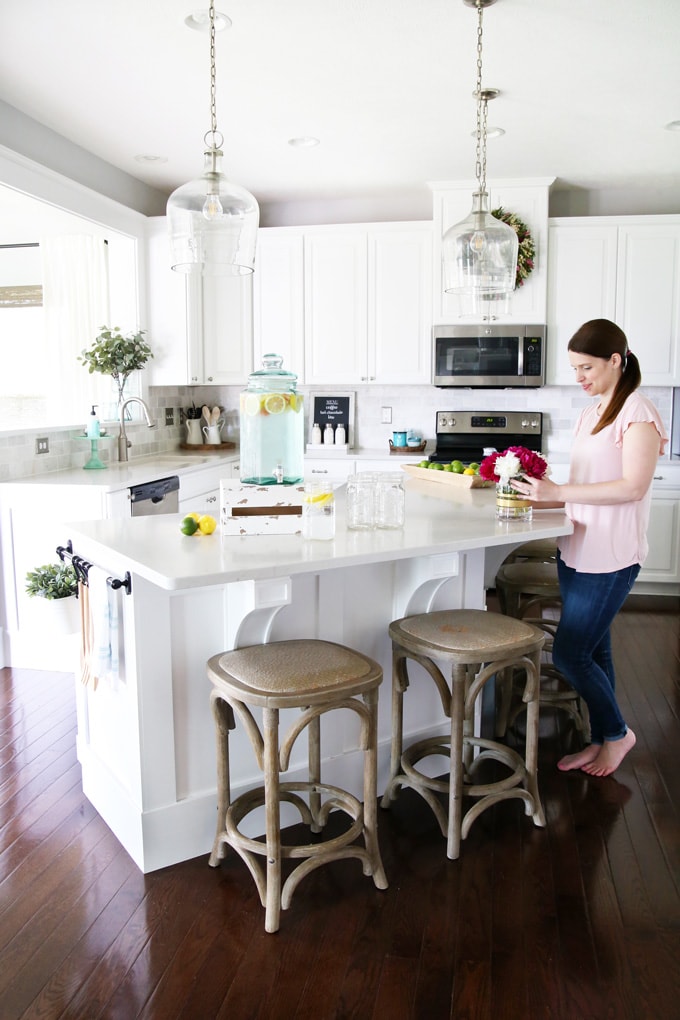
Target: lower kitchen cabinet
(200, 490)
(661, 570)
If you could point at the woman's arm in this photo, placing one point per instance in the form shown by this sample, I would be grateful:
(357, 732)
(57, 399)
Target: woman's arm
(641, 445)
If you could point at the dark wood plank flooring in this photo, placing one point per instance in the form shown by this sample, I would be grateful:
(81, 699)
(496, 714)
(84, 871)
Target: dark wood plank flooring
(580, 921)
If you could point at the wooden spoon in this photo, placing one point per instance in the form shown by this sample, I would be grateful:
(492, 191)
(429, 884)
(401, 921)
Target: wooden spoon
(215, 415)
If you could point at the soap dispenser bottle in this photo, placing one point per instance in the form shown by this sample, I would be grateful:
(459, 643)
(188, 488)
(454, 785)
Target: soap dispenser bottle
(93, 428)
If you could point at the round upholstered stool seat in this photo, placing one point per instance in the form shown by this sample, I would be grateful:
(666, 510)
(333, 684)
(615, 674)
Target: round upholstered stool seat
(539, 550)
(314, 677)
(476, 645)
(530, 591)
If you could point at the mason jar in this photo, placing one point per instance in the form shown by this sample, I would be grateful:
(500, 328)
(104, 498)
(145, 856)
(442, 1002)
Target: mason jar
(390, 500)
(362, 491)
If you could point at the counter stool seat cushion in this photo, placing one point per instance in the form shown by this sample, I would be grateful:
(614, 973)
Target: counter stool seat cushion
(477, 645)
(315, 677)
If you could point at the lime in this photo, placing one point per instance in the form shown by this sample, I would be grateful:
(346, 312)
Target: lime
(207, 524)
(457, 466)
(189, 526)
(474, 465)
(424, 464)
(436, 467)
(448, 467)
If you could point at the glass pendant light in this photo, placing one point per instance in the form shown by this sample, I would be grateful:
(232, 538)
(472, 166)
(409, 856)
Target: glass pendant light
(480, 253)
(213, 222)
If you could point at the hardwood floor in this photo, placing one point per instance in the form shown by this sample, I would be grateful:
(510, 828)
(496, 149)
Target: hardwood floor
(580, 921)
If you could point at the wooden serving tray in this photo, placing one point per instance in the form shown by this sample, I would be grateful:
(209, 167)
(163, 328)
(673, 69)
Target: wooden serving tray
(408, 449)
(207, 447)
(446, 477)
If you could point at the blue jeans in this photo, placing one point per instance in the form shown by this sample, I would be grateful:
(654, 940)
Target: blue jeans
(582, 647)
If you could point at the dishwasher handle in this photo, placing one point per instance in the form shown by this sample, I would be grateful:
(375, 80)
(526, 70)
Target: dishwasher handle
(156, 491)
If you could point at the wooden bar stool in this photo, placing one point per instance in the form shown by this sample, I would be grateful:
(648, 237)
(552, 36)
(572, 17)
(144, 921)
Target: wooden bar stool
(466, 639)
(530, 591)
(539, 550)
(315, 677)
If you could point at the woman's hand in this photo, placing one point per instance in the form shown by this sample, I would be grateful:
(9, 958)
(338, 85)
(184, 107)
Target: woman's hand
(539, 490)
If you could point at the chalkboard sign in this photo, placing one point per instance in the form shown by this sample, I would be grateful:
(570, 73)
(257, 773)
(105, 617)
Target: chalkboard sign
(334, 409)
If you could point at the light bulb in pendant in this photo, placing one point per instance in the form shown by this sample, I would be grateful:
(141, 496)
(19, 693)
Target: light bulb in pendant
(212, 207)
(478, 243)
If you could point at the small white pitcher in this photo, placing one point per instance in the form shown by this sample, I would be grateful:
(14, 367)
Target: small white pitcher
(194, 431)
(212, 433)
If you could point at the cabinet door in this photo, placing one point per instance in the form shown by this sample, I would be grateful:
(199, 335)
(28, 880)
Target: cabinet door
(663, 562)
(335, 307)
(648, 298)
(227, 318)
(278, 299)
(581, 286)
(167, 312)
(399, 319)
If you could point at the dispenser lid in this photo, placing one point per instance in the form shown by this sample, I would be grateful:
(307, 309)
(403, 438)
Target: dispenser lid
(272, 375)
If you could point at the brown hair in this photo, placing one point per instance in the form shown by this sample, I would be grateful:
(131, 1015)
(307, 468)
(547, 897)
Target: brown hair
(601, 338)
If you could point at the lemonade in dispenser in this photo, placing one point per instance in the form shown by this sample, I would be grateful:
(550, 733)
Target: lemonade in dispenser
(272, 426)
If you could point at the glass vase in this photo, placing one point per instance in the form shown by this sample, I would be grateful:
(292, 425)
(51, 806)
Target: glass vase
(510, 504)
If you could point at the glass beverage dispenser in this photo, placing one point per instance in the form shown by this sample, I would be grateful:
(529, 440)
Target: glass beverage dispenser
(272, 426)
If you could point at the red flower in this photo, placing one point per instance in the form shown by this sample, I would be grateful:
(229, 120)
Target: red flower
(532, 465)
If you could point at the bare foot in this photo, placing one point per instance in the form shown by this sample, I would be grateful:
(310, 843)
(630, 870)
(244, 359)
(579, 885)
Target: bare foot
(611, 755)
(581, 758)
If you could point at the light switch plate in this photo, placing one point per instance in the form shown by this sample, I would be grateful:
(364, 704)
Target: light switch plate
(386, 416)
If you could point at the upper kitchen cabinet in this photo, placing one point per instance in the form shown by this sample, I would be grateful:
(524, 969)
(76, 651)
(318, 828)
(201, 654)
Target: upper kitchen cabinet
(278, 298)
(622, 268)
(527, 199)
(200, 328)
(349, 302)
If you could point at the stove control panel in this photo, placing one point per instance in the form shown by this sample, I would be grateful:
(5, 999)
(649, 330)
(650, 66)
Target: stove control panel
(472, 422)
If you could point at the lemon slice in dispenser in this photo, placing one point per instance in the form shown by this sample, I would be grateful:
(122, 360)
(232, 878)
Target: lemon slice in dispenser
(274, 403)
(251, 404)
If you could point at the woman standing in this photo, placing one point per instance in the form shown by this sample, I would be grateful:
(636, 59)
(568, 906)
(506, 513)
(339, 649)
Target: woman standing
(618, 440)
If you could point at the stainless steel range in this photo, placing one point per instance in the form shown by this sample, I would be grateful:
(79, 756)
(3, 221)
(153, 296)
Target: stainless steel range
(464, 435)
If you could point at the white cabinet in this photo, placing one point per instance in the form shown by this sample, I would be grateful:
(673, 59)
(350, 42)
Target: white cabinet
(200, 328)
(662, 565)
(526, 199)
(199, 491)
(278, 298)
(581, 286)
(626, 269)
(346, 304)
(337, 470)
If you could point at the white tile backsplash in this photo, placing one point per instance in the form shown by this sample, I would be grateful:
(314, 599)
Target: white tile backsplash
(413, 407)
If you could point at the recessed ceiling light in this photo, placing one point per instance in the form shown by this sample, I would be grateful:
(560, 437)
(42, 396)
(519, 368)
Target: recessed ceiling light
(491, 132)
(143, 158)
(200, 21)
(673, 125)
(304, 142)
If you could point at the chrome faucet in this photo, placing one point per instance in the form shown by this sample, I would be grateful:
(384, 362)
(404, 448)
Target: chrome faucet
(123, 441)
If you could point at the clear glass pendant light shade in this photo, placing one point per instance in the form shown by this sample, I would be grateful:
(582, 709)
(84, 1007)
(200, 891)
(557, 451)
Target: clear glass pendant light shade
(480, 254)
(213, 224)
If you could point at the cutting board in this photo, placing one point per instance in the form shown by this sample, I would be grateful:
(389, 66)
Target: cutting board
(446, 477)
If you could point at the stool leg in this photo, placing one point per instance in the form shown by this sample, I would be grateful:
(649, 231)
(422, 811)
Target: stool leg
(370, 807)
(314, 755)
(224, 721)
(458, 681)
(270, 721)
(399, 685)
(531, 747)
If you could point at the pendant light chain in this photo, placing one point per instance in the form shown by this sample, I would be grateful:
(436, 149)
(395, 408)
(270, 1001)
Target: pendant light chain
(215, 144)
(482, 108)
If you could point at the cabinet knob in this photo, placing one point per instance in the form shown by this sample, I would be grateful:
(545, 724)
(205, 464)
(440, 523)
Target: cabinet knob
(210, 378)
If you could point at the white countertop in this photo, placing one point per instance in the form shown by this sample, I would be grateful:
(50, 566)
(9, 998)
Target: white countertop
(436, 522)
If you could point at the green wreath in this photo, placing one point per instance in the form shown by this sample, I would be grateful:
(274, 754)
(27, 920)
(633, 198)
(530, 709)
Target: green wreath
(527, 249)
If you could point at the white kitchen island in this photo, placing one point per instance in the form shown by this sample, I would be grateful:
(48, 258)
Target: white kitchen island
(146, 738)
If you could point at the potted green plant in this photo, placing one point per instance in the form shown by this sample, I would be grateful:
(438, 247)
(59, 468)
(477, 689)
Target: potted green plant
(52, 581)
(53, 586)
(117, 355)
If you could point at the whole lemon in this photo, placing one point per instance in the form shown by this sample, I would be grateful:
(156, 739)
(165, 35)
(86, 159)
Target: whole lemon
(207, 524)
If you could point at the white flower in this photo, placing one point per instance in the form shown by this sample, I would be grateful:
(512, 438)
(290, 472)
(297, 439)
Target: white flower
(508, 466)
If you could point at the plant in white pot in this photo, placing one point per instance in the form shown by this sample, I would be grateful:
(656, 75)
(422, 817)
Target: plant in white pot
(117, 355)
(54, 586)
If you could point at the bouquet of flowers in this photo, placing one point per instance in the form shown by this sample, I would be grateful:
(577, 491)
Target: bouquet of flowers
(512, 463)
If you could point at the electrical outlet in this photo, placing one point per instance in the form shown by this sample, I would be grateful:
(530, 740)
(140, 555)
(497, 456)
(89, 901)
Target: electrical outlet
(386, 417)
(42, 445)
(169, 416)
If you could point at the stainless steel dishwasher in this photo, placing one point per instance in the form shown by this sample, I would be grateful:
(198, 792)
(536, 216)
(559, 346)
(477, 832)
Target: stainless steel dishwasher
(158, 497)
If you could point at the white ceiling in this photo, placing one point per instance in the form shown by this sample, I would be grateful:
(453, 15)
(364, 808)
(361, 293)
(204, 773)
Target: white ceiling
(587, 87)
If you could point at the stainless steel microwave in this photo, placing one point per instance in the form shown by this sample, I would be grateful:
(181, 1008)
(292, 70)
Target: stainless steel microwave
(489, 355)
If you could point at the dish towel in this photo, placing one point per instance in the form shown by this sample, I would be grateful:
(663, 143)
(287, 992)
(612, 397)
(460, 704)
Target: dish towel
(103, 605)
(85, 635)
